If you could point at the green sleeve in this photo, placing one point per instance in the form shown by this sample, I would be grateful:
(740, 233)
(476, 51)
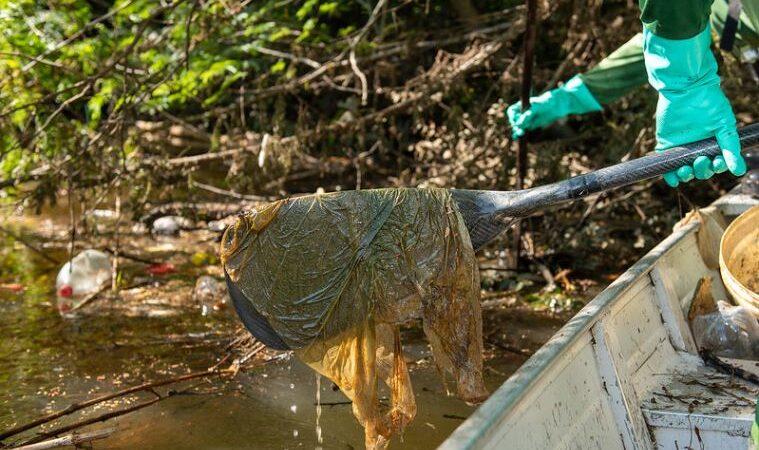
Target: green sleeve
(675, 19)
(619, 73)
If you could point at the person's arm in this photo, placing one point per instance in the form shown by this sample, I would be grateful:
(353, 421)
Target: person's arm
(682, 68)
(619, 73)
(616, 75)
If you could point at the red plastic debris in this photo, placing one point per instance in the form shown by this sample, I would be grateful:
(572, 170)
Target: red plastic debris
(160, 269)
(66, 291)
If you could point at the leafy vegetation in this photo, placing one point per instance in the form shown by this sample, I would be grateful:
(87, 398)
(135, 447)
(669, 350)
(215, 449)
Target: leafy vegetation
(166, 99)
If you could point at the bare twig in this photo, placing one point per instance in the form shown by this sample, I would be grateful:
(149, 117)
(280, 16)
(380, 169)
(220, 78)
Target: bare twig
(87, 403)
(355, 41)
(86, 300)
(226, 193)
(361, 77)
(73, 439)
(96, 419)
(76, 35)
(521, 157)
(289, 56)
(28, 245)
(713, 360)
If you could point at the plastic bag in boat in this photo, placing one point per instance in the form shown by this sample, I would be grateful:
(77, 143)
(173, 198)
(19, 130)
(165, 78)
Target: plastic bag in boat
(730, 331)
(330, 273)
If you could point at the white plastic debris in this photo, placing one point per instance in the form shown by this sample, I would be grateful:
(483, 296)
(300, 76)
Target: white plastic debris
(217, 226)
(170, 225)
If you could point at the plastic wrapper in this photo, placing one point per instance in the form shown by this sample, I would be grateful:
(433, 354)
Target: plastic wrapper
(730, 331)
(335, 274)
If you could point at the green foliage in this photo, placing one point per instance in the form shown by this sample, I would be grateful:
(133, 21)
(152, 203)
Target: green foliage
(74, 71)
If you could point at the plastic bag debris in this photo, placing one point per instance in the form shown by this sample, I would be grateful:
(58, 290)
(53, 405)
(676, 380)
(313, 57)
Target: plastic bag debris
(170, 225)
(335, 274)
(83, 275)
(724, 329)
(731, 331)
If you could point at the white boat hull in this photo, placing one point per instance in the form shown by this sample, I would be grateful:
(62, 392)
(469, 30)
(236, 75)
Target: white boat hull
(624, 372)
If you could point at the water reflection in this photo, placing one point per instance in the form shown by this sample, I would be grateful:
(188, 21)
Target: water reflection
(47, 363)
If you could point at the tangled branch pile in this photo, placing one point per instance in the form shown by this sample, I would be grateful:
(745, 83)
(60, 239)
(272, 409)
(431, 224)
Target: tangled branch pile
(273, 97)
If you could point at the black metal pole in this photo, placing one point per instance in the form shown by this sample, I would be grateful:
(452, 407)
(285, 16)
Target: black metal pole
(521, 159)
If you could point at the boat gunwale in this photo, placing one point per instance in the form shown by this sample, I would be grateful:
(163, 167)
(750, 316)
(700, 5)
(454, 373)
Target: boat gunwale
(512, 391)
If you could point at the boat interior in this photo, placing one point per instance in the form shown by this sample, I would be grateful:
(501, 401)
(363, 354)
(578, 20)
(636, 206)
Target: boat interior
(625, 372)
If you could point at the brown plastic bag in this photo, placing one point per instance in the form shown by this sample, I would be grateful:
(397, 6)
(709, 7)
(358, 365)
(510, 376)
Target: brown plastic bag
(335, 274)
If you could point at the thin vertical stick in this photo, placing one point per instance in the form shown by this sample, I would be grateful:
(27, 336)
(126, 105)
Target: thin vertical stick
(529, 51)
(72, 223)
(117, 243)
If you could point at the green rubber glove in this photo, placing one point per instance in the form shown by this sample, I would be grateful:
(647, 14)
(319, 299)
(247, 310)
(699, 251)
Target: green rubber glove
(571, 98)
(691, 104)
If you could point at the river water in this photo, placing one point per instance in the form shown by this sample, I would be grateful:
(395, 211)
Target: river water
(47, 363)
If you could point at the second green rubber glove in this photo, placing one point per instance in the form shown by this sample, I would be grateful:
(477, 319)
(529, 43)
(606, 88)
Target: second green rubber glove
(571, 98)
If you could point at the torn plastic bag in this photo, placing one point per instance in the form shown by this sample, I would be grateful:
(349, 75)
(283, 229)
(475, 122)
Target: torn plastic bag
(324, 272)
(730, 331)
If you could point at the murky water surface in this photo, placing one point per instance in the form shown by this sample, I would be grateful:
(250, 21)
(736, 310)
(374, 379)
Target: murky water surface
(47, 363)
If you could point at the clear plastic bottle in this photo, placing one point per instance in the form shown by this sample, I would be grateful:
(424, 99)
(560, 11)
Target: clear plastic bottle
(209, 293)
(731, 331)
(83, 275)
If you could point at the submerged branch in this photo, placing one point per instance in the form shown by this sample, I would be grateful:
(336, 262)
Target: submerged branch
(73, 439)
(87, 403)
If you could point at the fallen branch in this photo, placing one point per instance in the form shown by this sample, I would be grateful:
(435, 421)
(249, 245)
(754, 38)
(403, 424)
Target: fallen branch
(509, 348)
(28, 245)
(72, 439)
(87, 403)
(96, 419)
(226, 193)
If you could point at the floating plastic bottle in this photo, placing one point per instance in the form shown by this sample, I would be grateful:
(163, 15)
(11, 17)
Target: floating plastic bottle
(209, 293)
(83, 275)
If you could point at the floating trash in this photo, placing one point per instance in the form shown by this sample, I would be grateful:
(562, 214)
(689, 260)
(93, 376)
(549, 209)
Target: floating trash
(160, 269)
(210, 294)
(85, 274)
(170, 225)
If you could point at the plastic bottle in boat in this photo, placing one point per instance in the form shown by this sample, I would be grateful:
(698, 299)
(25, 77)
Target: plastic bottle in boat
(81, 276)
(730, 331)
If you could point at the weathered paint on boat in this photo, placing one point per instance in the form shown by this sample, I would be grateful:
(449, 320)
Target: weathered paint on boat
(624, 372)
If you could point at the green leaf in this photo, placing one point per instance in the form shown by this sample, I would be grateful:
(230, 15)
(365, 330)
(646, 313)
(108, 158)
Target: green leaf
(279, 66)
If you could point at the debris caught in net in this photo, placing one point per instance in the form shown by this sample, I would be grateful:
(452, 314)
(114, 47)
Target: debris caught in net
(332, 276)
